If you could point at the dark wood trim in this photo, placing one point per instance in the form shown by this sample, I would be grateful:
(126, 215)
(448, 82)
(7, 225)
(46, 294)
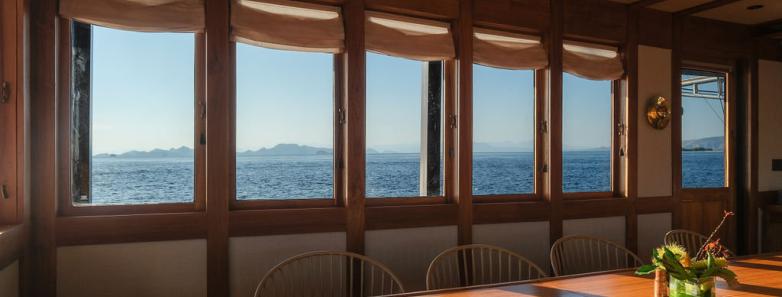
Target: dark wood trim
(199, 118)
(704, 7)
(645, 205)
(629, 117)
(463, 196)
(499, 198)
(432, 9)
(553, 186)
(750, 203)
(42, 263)
(402, 201)
(10, 162)
(450, 83)
(11, 244)
(279, 204)
(541, 91)
(587, 195)
(220, 107)
(339, 140)
(130, 228)
(354, 156)
(676, 120)
(395, 217)
(643, 3)
(594, 208)
(287, 221)
(511, 212)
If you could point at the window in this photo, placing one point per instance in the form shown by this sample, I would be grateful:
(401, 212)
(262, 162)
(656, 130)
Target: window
(703, 129)
(133, 111)
(403, 127)
(503, 131)
(284, 124)
(586, 134)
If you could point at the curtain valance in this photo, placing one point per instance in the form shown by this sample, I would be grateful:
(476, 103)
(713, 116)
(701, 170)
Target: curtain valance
(592, 61)
(508, 50)
(407, 37)
(138, 15)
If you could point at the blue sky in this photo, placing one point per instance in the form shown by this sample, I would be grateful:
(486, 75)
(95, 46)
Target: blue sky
(143, 99)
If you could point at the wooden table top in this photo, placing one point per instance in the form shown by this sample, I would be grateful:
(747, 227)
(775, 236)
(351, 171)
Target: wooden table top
(759, 276)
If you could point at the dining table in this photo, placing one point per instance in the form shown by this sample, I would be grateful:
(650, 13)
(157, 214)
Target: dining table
(758, 275)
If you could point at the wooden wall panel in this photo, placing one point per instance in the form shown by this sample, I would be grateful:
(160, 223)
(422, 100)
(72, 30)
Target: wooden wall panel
(709, 39)
(655, 28)
(434, 9)
(595, 20)
(515, 14)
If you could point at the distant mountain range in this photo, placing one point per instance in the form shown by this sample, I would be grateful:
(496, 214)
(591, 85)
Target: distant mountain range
(716, 143)
(283, 149)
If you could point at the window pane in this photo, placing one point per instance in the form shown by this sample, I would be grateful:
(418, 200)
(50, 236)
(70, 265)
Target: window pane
(586, 135)
(142, 118)
(703, 129)
(284, 124)
(503, 131)
(397, 120)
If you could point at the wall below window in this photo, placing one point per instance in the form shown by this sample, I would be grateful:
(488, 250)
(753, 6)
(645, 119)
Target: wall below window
(408, 252)
(528, 239)
(165, 269)
(9, 280)
(654, 154)
(651, 232)
(252, 257)
(769, 124)
(610, 228)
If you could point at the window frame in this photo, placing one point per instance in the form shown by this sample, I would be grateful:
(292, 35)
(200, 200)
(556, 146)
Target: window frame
(66, 205)
(618, 134)
(338, 149)
(728, 69)
(539, 150)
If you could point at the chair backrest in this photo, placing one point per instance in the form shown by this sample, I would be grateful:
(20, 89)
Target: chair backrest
(691, 241)
(329, 273)
(478, 264)
(582, 254)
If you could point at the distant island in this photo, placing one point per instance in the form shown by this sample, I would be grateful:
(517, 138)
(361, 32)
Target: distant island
(707, 144)
(283, 149)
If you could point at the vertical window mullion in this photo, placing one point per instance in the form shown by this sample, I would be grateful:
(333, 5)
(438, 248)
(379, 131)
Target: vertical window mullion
(81, 91)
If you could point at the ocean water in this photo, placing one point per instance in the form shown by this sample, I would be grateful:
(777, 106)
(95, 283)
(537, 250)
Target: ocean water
(157, 180)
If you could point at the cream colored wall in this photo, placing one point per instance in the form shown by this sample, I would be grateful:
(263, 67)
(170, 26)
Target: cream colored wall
(9, 280)
(651, 232)
(611, 228)
(252, 257)
(529, 239)
(654, 146)
(769, 124)
(408, 252)
(149, 269)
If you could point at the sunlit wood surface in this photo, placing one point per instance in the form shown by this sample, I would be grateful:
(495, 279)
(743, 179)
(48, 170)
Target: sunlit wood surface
(759, 276)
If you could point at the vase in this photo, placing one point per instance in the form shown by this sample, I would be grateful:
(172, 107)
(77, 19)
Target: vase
(684, 288)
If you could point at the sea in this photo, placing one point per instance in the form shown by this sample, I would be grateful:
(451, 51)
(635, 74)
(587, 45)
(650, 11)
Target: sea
(121, 180)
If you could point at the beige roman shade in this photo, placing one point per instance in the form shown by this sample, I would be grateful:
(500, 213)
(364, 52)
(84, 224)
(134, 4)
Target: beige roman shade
(407, 37)
(508, 50)
(592, 61)
(289, 25)
(138, 15)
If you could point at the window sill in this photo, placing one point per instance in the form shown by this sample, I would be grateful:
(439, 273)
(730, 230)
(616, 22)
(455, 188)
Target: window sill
(108, 210)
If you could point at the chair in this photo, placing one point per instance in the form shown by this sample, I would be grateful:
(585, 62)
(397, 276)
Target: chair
(478, 264)
(583, 254)
(329, 273)
(691, 241)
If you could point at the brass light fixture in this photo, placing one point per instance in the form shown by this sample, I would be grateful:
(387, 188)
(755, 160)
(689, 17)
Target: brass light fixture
(658, 112)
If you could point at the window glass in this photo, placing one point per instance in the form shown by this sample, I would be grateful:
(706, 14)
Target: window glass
(503, 131)
(133, 116)
(586, 135)
(703, 129)
(403, 132)
(284, 124)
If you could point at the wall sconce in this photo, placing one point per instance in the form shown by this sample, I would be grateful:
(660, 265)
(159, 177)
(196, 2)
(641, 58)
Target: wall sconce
(658, 112)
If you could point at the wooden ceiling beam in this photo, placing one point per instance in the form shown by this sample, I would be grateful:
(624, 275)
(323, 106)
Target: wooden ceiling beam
(644, 3)
(704, 7)
(769, 29)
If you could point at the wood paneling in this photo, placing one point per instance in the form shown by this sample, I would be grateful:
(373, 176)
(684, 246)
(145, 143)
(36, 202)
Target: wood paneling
(495, 213)
(703, 39)
(654, 28)
(464, 65)
(552, 189)
(435, 9)
(129, 228)
(220, 151)
(9, 162)
(286, 221)
(629, 116)
(392, 217)
(530, 15)
(594, 20)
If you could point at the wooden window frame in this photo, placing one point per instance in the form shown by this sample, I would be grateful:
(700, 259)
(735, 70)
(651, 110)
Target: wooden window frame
(66, 207)
(728, 129)
(618, 133)
(539, 148)
(11, 85)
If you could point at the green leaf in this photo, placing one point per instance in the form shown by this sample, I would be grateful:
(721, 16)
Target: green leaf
(646, 269)
(728, 276)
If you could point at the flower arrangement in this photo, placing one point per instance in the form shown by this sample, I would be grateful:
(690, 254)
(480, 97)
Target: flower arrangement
(691, 276)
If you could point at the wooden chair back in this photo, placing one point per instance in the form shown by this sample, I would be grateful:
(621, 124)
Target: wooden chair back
(691, 241)
(583, 254)
(329, 273)
(478, 264)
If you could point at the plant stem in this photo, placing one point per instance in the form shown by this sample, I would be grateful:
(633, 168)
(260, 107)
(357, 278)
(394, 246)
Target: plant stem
(711, 236)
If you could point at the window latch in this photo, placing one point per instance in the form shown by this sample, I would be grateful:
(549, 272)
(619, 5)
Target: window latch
(544, 127)
(452, 119)
(544, 168)
(620, 129)
(341, 115)
(4, 192)
(5, 92)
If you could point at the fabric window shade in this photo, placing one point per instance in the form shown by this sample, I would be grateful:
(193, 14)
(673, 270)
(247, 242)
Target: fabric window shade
(407, 37)
(288, 25)
(138, 15)
(508, 50)
(591, 61)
